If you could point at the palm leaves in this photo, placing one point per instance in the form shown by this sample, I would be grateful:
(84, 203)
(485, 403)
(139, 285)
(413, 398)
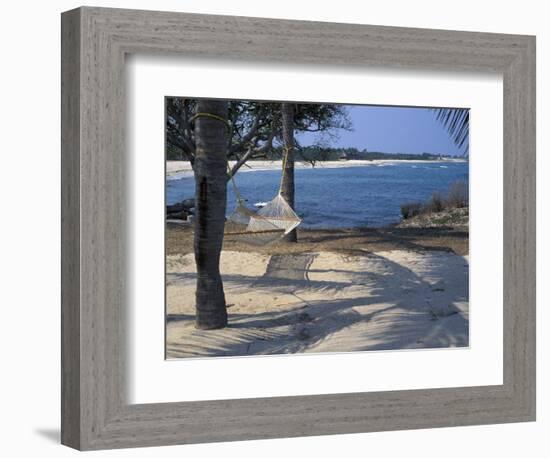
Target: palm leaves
(457, 123)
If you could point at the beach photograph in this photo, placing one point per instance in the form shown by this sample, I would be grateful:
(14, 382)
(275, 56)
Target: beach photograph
(295, 228)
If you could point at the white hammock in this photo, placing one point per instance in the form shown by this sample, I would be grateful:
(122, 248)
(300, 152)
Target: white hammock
(268, 224)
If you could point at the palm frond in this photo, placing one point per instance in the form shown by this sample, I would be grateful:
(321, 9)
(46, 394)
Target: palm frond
(457, 123)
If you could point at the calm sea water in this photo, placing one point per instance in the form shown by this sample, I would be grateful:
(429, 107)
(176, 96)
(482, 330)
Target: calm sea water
(342, 197)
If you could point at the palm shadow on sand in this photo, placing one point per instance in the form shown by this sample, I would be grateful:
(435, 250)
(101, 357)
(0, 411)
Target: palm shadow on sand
(412, 312)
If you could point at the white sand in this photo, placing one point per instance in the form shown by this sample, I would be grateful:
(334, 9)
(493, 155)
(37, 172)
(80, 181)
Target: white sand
(324, 302)
(183, 168)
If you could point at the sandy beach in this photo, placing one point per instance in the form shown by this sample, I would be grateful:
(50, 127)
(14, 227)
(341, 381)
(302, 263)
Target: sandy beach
(336, 290)
(183, 168)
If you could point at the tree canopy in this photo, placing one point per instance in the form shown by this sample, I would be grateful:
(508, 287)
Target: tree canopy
(255, 128)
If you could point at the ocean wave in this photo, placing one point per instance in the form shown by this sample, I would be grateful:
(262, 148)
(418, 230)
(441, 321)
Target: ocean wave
(179, 175)
(260, 204)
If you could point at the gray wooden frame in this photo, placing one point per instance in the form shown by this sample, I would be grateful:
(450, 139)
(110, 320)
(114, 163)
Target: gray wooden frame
(95, 413)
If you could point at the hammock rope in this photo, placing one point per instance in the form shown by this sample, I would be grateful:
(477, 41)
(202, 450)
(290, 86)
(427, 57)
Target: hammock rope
(240, 199)
(269, 223)
(211, 116)
(286, 149)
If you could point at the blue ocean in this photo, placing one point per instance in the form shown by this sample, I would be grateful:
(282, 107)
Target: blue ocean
(342, 197)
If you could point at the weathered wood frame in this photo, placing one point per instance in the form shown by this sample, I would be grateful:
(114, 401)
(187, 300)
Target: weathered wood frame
(95, 414)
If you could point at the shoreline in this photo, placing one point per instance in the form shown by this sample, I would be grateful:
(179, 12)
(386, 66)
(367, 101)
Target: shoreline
(182, 169)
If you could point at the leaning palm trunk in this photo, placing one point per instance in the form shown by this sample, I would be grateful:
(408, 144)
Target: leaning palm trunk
(211, 195)
(287, 184)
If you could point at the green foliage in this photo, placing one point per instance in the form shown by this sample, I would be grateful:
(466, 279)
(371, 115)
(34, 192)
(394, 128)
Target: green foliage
(457, 197)
(255, 131)
(410, 209)
(435, 204)
(316, 153)
(255, 127)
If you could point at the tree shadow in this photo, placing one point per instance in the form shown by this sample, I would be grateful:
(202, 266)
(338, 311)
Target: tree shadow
(388, 308)
(448, 239)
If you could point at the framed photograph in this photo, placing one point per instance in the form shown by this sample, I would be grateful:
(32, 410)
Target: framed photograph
(278, 228)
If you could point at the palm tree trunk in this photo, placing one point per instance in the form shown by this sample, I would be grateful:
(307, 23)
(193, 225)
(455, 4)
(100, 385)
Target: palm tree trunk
(211, 197)
(287, 184)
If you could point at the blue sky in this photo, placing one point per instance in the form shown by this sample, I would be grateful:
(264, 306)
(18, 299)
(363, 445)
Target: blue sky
(392, 130)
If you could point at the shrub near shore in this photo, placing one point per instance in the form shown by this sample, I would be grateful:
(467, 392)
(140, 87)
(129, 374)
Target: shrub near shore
(439, 210)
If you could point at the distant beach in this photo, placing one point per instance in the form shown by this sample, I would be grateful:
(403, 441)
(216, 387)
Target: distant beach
(175, 169)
